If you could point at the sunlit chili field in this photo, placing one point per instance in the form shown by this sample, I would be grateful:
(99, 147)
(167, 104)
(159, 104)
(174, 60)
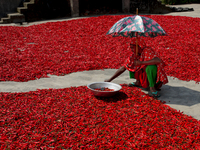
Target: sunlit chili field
(72, 118)
(63, 47)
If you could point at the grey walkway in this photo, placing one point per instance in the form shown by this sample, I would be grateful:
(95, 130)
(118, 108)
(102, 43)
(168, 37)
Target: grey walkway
(180, 95)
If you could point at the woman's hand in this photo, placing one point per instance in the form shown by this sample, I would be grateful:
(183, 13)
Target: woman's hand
(153, 61)
(107, 80)
(137, 63)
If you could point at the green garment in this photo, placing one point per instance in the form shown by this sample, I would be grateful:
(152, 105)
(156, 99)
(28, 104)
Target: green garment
(151, 71)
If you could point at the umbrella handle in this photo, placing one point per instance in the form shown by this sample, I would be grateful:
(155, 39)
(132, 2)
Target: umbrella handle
(136, 36)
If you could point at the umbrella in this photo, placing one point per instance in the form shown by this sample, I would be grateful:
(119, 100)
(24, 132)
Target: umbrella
(135, 26)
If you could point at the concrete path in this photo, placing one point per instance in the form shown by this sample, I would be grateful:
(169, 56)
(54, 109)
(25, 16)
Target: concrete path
(195, 13)
(180, 95)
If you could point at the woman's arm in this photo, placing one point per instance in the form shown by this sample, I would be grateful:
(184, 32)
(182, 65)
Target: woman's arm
(153, 61)
(117, 73)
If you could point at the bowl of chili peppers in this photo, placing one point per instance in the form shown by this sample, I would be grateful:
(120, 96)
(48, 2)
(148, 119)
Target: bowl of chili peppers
(104, 89)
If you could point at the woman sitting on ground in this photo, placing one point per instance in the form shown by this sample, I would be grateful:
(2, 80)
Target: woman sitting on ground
(147, 68)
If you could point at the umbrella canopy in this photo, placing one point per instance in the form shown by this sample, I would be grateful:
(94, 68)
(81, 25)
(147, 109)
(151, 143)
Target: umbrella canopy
(135, 26)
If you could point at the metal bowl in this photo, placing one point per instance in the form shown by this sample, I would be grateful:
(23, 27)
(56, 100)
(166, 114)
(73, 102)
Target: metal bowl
(95, 85)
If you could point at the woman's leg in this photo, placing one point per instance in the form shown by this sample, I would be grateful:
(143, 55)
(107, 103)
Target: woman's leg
(151, 71)
(132, 76)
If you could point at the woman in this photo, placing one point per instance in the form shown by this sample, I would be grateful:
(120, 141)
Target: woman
(147, 68)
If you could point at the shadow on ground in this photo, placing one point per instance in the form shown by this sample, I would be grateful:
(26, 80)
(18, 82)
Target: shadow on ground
(179, 95)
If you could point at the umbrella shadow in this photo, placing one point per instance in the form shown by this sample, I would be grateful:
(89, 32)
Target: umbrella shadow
(179, 95)
(117, 97)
